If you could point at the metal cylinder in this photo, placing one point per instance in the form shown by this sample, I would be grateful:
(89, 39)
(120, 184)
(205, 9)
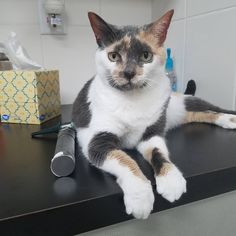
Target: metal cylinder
(63, 162)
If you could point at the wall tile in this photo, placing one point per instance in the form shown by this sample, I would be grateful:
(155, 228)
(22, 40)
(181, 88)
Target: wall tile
(159, 7)
(195, 7)
(18, 12)
(175, 40)
(124, 12)
(234, 90)
(73, 55)
(77, 11)
(210, 56)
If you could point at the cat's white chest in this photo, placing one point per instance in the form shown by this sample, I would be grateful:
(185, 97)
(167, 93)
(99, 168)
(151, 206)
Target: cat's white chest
(126, 116)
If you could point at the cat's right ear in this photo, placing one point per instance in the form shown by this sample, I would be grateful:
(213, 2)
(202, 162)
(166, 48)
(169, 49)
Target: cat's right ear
(103, 32)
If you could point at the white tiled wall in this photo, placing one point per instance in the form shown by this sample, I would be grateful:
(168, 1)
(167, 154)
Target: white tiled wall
(202, 36)
(72, 54)
(125, 12)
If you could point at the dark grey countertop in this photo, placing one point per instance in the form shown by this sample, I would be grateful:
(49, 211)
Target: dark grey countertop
(34, 202)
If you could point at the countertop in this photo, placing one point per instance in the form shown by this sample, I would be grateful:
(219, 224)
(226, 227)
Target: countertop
(34, 202)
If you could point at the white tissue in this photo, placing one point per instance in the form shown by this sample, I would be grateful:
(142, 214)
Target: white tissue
(17, 54)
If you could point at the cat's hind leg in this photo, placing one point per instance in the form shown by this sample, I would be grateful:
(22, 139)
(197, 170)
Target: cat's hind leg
(184, 109)
(105, 153)
(199, 110)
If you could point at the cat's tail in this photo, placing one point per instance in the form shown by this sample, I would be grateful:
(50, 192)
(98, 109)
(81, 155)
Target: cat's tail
(194, 104)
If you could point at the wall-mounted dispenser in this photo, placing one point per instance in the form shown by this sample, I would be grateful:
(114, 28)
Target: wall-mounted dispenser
(52, 16)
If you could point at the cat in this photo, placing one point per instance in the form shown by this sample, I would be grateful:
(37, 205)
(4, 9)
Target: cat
(129, 104)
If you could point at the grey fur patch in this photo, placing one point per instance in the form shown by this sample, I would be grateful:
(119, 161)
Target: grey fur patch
(196, 104)
(157, 161)
(133, 53)
(108, 35)
(128, 30)
(100, 145)
(126, 87)
(112, 33)
(158, 128)
(81, 114)
(118, 33)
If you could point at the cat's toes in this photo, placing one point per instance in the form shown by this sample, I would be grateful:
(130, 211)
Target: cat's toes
(171, 185)
(138, 198)
(227, 121)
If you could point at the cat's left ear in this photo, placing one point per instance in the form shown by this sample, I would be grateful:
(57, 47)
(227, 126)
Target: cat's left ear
(159, 28)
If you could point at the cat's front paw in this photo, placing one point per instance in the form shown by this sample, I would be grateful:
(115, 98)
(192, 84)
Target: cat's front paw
(171, 184)
(138, 197)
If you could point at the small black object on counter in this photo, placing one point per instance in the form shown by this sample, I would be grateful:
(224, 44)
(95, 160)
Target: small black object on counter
(63, 162)
(191, 88)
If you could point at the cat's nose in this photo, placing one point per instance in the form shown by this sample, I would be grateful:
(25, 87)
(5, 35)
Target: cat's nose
(129, 74)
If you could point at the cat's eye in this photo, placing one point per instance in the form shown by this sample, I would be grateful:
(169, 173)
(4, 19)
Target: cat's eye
(114, 56)
(146, 57)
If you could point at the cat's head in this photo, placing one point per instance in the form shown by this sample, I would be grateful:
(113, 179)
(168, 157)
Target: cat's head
(130, 57)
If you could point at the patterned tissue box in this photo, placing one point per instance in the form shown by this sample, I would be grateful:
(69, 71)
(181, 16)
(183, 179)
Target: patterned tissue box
(30, 97)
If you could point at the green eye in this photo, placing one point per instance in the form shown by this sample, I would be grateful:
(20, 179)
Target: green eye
(114, 56)
(146, 57)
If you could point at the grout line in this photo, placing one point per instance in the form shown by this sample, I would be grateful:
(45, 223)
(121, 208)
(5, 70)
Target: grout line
(100, 7)
(211, 12)
(150, 9)
(19, 24)
(78, 25)
(234, 93)
(42, 49)
(178, 19)
(184, 47)
(203, 13)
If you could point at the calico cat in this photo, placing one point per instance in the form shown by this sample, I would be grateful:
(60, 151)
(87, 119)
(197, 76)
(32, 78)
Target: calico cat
(129, 104)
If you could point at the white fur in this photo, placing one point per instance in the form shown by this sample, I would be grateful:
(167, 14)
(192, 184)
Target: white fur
(122, 113)
(172, 185)
(176, 111)
(225, 121)
(154, 142)
(127, 115)
(138, 194)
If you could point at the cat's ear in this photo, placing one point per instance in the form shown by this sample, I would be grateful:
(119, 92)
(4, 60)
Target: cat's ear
(103, 31)
(159, 28)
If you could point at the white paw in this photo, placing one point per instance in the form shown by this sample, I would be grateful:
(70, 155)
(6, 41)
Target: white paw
(138, 196)
(171, 185)
(226, 121)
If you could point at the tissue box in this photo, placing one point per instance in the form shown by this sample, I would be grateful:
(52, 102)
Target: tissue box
(30, 97)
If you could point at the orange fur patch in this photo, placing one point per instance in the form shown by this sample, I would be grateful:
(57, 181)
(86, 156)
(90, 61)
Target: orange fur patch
(152, 41)
(139, 70)
(126, 161)
(166, 165)
(149, 38)
(126, 40)
(120, 66)
(205, 117)
(148, 154)
(165, 169)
